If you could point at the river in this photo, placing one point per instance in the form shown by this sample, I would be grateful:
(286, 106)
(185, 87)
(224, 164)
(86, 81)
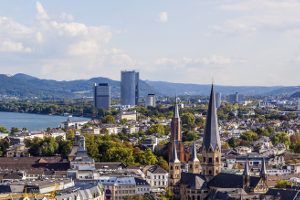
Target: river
(32, 121)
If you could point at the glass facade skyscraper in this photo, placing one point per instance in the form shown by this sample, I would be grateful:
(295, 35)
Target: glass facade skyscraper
(129, 88)
(102, 95)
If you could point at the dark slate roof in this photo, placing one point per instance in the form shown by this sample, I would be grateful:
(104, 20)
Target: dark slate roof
(157, 170)
(139, 181)
(225, 180)
(109, 165)
(285, 194)
(246, 169)
(194, 157)
(195, 181)
(263, 170)
(174, 158)
(176, 111)
(5, 189)
(211, 134)
(225, 194)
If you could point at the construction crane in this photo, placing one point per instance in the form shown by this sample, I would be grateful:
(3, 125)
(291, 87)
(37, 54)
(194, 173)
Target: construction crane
(29, 195)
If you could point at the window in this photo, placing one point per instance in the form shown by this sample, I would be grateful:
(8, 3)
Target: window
(217, 159)
(204, 159)
(171, 167)
(209, 172)
(176, 167)
(210, 160)
(191, 166)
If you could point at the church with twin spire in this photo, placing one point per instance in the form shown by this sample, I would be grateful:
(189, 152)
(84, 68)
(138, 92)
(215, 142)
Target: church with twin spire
(205, 180)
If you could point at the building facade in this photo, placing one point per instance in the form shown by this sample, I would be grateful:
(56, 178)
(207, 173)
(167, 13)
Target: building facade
(218, 99)
(102, 95)
(151, 100)
(129, 88)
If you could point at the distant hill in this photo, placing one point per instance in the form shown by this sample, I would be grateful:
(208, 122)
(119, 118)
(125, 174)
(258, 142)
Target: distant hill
(168, 88)
(296, 95)
(25, 86)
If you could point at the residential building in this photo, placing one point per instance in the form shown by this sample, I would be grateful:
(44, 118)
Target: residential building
(151, 100)
(102, 95)
(157, 177)
(129, 88)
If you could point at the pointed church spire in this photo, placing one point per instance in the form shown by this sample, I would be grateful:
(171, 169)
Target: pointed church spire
(176, 111)
(246, 169)
(194, 157)
(263, 170)
(174, 158)
(211, 134)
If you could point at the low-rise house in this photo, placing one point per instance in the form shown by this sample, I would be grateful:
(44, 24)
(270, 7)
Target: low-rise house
(157, 177)
(17, 150)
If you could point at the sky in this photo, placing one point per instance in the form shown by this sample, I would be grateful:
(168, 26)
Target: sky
(232, 42)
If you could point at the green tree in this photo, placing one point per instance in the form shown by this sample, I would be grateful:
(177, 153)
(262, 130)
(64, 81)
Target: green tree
(3, 129)
(188, 120)
(283, 184)
(156, 128)
(109, 119)
(14, 130)
(281, 137)
(233, 142)
(49, 146)
(163, 163)
(190, 136)
(120, 154)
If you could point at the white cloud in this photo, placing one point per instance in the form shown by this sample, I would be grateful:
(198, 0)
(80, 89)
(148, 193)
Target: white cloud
(41, 13)
(11, 46)
(258, 15)
(66, 16)
(163, 17)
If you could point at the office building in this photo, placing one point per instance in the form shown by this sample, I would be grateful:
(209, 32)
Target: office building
(234, 98)
(298, 108)
(102, 95)
(151, 100)
(129, 88)
(218, 99)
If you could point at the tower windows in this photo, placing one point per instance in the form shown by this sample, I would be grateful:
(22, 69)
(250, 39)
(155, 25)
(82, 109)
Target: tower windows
(209, 172)
(209, 160)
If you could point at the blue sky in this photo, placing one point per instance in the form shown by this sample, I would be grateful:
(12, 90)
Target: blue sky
(234, 42)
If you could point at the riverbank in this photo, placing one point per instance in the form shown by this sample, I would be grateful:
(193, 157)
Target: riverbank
(33, 121)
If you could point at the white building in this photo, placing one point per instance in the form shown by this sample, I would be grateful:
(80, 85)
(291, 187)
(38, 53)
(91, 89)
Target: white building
(151, 100)
(157, 177)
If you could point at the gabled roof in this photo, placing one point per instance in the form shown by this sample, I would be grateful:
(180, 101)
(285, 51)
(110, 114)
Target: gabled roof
(286, 194)
(157, 170)
(263, 170)
(225, 180)
(176, 111)
(211, 134)
(174, 158)
(194, 157)
(194, 181)
(246, 169)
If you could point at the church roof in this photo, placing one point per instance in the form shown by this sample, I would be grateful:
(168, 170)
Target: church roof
(286, 194)
(211, 134)
(176, 111)
(194, 181)
(263, 170)
(246, 169)
(225, 180)
(194, 157)
(174, 158)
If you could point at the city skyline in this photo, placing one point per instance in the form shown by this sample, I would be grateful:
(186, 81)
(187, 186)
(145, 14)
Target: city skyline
(235, 42)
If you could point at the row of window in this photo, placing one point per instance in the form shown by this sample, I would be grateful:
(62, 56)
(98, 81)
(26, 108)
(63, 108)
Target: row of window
(163, 177)
(210, 159)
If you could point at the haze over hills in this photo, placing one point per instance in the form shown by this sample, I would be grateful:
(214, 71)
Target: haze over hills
(26, 86)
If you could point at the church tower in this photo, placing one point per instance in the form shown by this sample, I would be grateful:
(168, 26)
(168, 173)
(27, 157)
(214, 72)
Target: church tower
(246, 177)
(211, 147)
(174, 168)
(194, 163)
(176, 137)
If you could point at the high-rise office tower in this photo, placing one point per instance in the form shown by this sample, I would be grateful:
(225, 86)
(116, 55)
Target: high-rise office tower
(102, 95)
(234, 98)
(218, 99)
(129, 88)
(298, 108)
(151, 100)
